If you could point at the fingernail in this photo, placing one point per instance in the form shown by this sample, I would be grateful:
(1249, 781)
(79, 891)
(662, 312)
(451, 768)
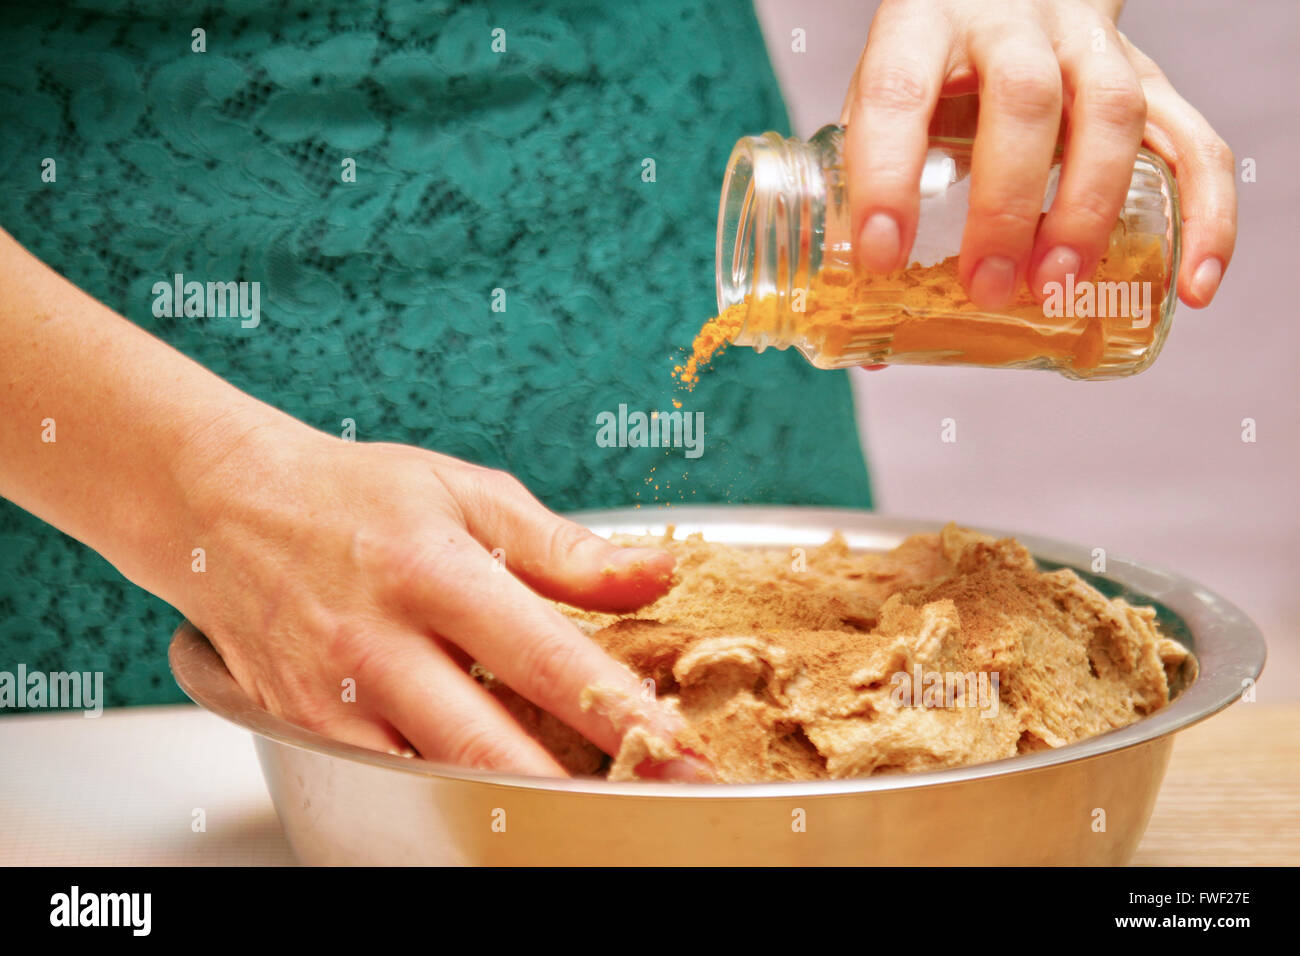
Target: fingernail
(993, 283)
(879, 241)
(1056, 265)
(631, 561)
(687, 770)
(1206, 281)
(624, 557)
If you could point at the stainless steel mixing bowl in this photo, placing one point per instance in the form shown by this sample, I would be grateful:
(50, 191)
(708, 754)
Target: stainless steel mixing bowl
(1086, 803)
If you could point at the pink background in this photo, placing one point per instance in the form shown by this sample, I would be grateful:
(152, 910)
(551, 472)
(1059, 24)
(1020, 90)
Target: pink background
(1151, 468)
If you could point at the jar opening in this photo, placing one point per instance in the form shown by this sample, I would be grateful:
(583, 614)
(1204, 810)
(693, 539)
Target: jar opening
(769, 238)
(737, 218)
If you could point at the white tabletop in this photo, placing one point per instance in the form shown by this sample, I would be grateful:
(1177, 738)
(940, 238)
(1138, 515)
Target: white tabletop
(121, 790)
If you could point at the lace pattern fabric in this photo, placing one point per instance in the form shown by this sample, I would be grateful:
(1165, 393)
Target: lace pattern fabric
(522, 171)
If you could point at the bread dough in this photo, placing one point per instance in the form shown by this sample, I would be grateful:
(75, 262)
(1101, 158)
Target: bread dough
(951, 649)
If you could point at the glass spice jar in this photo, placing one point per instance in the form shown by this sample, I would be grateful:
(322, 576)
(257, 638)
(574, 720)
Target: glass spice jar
(786, 275)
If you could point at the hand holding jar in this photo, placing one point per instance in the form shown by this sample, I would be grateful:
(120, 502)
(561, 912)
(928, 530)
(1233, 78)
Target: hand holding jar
(1053, 239)
(1039, 67)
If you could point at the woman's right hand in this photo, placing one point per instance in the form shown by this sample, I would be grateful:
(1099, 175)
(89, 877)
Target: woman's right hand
(1033, 65)
(327, 560)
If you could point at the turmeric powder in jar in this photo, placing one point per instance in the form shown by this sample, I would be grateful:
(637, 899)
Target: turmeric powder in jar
(786, 275)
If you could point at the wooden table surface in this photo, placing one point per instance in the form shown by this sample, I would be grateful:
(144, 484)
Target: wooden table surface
(1232, 793)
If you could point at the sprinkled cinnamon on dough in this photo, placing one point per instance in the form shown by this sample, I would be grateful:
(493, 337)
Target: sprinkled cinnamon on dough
(951, 649)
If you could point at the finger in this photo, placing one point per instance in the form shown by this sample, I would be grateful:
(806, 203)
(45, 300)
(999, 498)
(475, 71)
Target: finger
(1207, 182)
(369, 732)
(1015, 142)
(448, 716)
(893, 96)
(558, 557)
(312, 701)
(531, 647)
(1107, 115)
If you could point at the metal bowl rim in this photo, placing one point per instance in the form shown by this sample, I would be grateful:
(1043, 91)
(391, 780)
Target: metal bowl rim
(1233, 657)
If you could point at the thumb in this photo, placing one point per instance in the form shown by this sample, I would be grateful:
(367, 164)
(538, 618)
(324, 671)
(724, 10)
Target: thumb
(556, 557)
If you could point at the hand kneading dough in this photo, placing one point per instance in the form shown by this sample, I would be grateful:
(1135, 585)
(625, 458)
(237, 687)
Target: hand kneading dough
(795, 670)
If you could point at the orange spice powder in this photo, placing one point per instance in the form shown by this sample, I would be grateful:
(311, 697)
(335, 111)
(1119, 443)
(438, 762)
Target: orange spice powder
(712, 338)
(921, 315)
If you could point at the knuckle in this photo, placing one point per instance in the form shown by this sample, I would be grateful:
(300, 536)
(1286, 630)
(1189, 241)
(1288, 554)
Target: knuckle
(547, 663)
(369, 550)
(353, 651)
(1216, 154)
(1027, 91)
(502, 482)
(1090, 212)
(566, 539)
(312, 720)
(1006, 216)
(478, 747)
(896, 88)
(494, 491)
(301, 702)
(408, 568)
(480, 486)
(1116, 103)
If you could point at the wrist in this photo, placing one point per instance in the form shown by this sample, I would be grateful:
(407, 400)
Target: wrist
(229, 473)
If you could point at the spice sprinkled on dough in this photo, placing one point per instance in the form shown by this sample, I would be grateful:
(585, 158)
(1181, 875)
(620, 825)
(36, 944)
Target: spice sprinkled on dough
(825, 666)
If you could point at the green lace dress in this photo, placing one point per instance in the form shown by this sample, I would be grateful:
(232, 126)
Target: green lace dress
(476, 169)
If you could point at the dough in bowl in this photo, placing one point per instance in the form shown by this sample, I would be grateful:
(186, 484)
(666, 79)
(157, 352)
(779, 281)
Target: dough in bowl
(951, 649)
